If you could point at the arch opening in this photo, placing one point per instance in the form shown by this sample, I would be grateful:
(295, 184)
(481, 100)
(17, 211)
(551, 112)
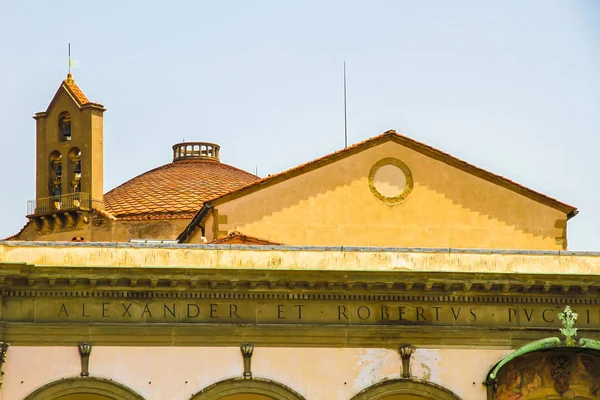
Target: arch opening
(55, 173)
(64, 126)
(247, 389)
(84, 388)
(562, 372)
(406, 389)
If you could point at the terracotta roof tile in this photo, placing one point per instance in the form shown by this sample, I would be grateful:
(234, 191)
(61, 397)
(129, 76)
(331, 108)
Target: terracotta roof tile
(240, 238)
(175, 190)
(70, 84)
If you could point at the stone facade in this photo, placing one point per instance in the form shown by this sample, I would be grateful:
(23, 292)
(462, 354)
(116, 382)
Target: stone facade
(386, 271)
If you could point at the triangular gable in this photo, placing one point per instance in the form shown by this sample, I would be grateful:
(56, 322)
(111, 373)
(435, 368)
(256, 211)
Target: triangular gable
(391, 135)
(414, 145)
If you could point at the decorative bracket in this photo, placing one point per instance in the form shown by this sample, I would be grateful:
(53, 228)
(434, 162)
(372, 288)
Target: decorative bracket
(3, 350)
(247, 350)
(85, 349)
(406, 352)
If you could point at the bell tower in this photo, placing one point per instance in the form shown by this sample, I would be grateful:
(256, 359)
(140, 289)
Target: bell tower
(69, 159)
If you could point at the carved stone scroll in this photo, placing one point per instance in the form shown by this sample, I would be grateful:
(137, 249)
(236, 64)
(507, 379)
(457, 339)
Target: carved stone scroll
(247, 350)
(406, 353)
(85, 349)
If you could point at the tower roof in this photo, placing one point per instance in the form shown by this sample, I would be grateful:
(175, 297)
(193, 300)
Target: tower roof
(72, 87)
(68, 85)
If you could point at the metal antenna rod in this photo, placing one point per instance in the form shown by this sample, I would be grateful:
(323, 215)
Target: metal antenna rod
(345, 112)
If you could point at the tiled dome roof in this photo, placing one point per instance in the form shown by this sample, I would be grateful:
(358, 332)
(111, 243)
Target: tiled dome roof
(178, 189)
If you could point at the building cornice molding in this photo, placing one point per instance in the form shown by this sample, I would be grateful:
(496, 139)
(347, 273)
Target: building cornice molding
(182, 282)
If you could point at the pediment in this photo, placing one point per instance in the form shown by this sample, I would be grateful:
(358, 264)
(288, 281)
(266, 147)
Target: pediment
(390, 191)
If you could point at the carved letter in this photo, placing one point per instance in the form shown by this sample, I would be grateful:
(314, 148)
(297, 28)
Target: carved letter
(437, 313)
(146, 310)
(213, 310)
(299, 310)
(189, 314)
(342, 311)
(363, 308)
(528, 316)
(512, 312)
(280, 311)
(401, 313)
(544, 315)
(105, 310)
(456, 314)
(83, 311)
(473, 317)
(126, 312)
(63, 309)
(420, 312)
(166, 308)
(233, 311)
(385, 315)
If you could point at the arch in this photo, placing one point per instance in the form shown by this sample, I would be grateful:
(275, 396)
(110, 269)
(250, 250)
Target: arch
(416, 388)
(100, 387)
(547, 368)
(55, 173)
(64, 126)
(257, 386)
(75, 169)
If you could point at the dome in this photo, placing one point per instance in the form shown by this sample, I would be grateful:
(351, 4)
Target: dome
(177, 189)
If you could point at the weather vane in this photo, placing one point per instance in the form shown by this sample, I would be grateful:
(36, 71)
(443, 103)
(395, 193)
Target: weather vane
(72, 63)
(568, 318)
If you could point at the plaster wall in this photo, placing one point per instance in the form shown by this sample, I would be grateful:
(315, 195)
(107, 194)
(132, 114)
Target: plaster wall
(296, 258)
(174, 373)
(448, 207)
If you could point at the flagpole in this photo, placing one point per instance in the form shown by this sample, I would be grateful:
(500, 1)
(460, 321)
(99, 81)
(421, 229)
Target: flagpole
(69, 58)
(345, 113)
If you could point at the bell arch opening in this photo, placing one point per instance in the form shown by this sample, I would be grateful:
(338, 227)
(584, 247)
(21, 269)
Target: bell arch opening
(84, 388)
(247, 389)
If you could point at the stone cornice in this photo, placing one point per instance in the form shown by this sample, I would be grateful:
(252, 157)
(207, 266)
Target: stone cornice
(28, 280)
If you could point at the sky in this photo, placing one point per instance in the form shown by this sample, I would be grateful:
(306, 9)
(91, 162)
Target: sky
(510, 86)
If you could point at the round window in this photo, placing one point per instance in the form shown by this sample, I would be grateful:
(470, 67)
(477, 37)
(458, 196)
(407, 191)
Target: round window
(390, 180)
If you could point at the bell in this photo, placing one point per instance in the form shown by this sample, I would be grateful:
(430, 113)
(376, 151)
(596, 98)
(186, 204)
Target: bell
(77, 167)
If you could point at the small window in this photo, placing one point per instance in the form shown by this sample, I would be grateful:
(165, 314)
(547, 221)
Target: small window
(64, 126)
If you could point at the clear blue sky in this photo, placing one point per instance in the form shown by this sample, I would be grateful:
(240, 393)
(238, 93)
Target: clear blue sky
(510, 86)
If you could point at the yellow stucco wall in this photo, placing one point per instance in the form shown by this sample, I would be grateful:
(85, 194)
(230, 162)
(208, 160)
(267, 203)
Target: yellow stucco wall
(448, 207)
